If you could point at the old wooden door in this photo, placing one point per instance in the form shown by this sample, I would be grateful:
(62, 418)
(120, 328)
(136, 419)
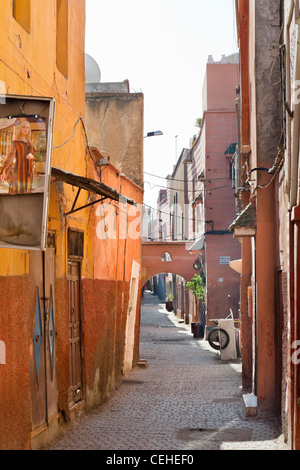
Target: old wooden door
(75, 362)
(43, 358)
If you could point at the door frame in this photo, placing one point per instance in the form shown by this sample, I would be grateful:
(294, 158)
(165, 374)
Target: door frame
(44, 389)
(77, 258)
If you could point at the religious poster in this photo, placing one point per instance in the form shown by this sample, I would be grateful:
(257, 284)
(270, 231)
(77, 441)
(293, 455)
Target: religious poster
(25, 165)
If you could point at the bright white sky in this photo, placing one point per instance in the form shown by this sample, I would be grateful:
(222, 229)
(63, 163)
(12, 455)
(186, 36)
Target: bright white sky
(161, 47)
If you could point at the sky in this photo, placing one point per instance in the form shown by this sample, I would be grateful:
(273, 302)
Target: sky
(161, 47)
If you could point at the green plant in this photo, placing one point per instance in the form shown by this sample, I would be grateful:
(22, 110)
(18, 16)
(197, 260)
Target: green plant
(38, 157)
(169, 298)
(196, 286)
(198, 122)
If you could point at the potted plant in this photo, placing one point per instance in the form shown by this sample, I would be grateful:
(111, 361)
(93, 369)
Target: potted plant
(40, 154)
(196, 286)
(40, 164)
(169, 303)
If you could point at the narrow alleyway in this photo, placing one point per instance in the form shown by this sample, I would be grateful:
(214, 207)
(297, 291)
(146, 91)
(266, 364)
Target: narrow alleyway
(186, 399)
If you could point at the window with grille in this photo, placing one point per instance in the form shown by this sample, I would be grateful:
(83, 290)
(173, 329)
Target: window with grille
(75, 242)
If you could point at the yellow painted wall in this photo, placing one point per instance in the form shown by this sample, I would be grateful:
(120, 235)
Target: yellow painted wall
(28, 66)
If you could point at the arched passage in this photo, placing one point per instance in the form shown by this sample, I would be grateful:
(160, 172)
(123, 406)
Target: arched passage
(181, 259)
(179, 263)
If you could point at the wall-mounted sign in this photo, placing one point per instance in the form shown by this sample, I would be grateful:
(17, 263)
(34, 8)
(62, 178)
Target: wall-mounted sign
(26, 126)
(224, 259)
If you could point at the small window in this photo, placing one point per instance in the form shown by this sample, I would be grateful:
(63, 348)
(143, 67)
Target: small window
(232, 163)
(21, 13)
(75, 244)
(166, 257)
(62, 36)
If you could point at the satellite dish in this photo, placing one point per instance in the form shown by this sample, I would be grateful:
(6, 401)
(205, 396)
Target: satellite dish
(92, 70)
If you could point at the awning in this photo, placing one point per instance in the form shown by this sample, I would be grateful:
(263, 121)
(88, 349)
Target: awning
(245, 224)
(90, 185)
(198, 245)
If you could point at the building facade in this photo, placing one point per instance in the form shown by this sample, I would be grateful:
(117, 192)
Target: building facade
(210, 190)
(267, 224)
(69, 316)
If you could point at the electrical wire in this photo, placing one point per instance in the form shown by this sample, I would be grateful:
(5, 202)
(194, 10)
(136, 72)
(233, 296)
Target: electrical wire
(59, 146)
(183, 190)
(185, 181)
(173, 215)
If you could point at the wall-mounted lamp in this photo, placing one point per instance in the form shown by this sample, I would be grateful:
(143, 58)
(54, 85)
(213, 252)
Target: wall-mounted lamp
(153, 134)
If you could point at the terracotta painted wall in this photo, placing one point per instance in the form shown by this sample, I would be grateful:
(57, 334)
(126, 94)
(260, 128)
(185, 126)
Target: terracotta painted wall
(219, 129)
(181, 264)
(16, 332)
(221, 279)
(106, 288)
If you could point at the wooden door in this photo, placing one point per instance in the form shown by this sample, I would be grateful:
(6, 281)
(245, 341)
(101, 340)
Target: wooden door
(75, 356)
(50, 334)
(43, 358)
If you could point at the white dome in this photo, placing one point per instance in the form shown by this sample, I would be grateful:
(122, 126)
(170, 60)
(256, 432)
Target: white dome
(92, 70)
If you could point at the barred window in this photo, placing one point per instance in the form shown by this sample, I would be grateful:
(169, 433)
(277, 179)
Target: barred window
(75, 243)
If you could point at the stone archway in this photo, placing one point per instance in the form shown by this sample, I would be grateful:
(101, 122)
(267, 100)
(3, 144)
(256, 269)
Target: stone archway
(180, 259)
(172, 258)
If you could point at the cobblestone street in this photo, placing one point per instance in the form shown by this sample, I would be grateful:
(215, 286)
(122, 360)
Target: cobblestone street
(186, 399)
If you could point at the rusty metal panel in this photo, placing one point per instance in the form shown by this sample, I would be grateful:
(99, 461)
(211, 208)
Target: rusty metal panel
(38, 335)
(50, 346)
(38, 381)
(51, 332)
(43, 372)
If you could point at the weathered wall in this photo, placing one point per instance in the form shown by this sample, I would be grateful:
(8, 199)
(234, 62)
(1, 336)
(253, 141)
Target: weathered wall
(115, 125)
(267, 77)
(221, 280)
(28, 67)
(105, 307)
(288, 253)
(266, 131)
(16, 332)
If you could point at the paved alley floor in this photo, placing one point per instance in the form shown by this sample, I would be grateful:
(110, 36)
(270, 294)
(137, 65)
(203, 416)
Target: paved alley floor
(186, 399)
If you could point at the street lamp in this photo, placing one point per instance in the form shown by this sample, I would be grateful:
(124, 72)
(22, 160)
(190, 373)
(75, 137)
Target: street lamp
(153, 134)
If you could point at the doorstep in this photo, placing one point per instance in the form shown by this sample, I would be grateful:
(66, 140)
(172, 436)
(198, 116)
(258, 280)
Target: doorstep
(249, 404)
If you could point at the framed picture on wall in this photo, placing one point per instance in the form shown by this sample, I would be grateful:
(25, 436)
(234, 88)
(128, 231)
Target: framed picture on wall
(26, 128)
